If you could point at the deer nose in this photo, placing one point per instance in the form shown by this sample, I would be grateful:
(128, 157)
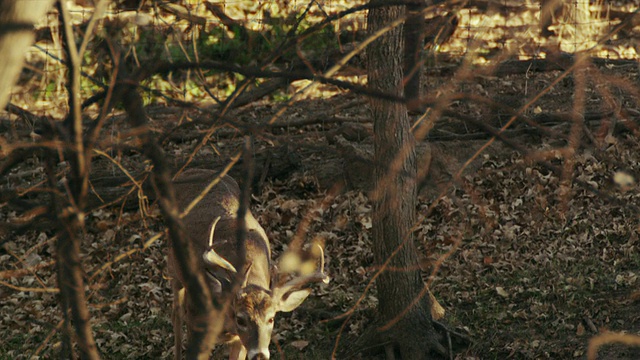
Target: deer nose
(258, 354)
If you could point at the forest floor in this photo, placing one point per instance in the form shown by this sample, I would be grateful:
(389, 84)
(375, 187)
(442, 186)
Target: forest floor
(534, 267)
(528, 264)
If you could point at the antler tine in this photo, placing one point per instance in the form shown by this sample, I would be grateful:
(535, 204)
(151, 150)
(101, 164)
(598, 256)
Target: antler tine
(211, 257)
(318, 276)
(321, 258)
(213, 227)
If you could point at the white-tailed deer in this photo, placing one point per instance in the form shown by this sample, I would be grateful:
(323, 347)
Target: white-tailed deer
(211, 227)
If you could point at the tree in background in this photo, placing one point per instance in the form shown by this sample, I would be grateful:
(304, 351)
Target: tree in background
(414, 28)
(17, 21)
(404, 314)
(555, 12)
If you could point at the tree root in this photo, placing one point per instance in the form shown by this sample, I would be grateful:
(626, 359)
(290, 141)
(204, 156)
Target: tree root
(374, 343)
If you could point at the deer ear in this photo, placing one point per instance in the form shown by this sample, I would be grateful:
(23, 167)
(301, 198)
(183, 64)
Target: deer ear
(245, 279)
(289, 301)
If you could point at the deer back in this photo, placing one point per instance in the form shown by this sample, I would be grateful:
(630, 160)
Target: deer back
(218, 210)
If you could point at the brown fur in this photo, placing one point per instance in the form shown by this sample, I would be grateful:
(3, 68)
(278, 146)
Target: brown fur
(255, 301)
(222, 202)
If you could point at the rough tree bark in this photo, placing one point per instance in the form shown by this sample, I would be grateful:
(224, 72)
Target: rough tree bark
(414, 29)
(407, 322)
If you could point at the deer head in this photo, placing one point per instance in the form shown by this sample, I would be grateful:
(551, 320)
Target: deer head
(254, 307)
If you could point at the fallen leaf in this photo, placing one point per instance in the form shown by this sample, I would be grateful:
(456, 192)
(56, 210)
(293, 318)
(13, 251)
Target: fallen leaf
(502, 292)
(366, 222)
(299, 344)
(437, 311)
(623, 179)
(535, 343)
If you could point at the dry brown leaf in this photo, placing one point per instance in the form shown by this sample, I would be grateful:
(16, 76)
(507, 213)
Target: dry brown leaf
(623, 180)
(437, 311)
(299, 344)
(366, 222)
(500, 290)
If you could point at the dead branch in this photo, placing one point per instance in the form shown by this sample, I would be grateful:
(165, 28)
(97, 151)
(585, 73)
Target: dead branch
(204, 329)
(231, 24)
(183, 13)
(256, 93)
(555, 62)
(70, 213)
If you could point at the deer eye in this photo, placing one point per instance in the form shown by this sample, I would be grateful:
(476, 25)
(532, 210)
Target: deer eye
(270, 321)
(242, 322)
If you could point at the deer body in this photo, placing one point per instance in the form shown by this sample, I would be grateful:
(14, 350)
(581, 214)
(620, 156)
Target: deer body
(211, 227)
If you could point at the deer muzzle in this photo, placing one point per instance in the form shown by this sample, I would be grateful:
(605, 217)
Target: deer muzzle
(258, 354)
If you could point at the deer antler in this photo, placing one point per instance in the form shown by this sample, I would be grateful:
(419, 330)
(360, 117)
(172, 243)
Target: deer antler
(211, 257)
(298, 282)
(213, 227)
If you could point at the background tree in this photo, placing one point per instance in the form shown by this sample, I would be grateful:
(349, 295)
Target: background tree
(574, 13)
(17, 21)
(404, 313)
(414, 29)
(550, 10)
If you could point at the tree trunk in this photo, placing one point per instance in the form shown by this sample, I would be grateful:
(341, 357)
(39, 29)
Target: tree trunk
(550, 10)
(17, 19)
(406, 324)
(414, 28)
